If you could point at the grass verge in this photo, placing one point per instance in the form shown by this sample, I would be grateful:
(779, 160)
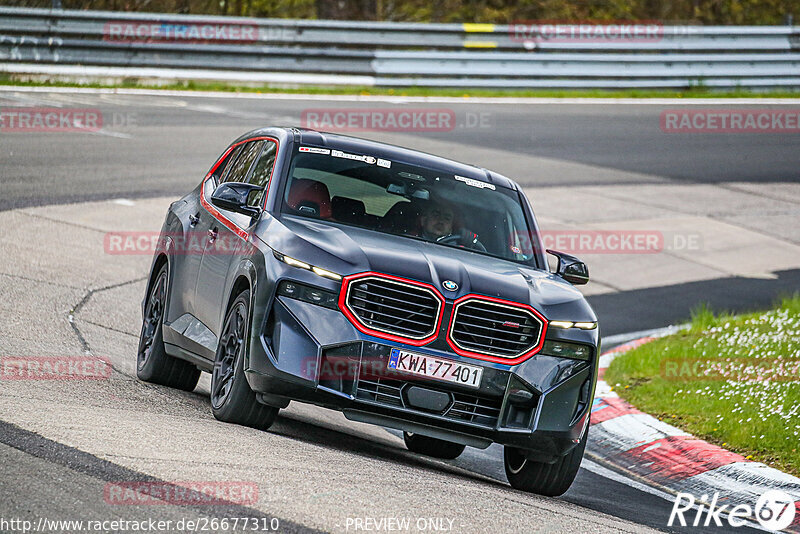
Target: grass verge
(731, 380)
(413, 91)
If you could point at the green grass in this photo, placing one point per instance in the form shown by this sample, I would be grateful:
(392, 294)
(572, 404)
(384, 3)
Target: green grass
(744, 391)
(414, 91)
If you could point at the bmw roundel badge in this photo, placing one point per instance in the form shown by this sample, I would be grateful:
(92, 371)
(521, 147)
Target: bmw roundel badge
(450, 285)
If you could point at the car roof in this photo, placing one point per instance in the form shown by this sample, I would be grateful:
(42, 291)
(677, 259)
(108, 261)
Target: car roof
(377, 149)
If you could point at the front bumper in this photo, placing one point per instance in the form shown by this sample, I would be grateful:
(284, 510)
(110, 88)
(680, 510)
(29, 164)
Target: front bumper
(313, 354)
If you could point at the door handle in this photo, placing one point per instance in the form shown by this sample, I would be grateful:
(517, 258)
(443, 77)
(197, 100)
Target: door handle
(212, 235)
(194, 219)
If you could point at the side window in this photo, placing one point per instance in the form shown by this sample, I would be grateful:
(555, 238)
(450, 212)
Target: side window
(262, 172)
(242, 163)
(225, 168)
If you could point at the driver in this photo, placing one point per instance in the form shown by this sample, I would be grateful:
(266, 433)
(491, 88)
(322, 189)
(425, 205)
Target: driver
(436, 220)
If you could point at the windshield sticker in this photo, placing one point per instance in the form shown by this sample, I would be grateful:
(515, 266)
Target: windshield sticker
(384, 163)
(314, 150)
(475, 183)
(356, 157)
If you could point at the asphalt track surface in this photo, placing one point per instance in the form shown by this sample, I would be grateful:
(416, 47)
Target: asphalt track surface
(161, 145)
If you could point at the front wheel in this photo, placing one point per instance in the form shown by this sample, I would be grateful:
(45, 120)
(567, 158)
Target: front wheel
(438, 448)
(232, 400)
(542, 478)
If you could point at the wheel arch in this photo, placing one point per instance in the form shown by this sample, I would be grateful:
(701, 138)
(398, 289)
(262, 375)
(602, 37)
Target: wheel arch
(159, 261)
(241, 283)
(244, 278)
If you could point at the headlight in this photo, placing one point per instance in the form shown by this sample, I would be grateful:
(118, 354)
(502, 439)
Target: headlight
(319, 271)
(562, 349)
(570, 324)
(309, 294)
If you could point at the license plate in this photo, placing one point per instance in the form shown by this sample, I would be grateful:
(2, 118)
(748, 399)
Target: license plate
(436, 368)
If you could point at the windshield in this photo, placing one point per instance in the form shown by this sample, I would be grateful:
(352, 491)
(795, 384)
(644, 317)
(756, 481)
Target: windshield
(407, 200)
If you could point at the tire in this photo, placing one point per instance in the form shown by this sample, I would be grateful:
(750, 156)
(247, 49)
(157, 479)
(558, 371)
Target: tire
(153, 364)
(437, 448)
(232, 400)
(551, 480)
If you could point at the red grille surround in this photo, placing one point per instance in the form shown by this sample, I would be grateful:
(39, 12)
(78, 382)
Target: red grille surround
(524, 354)
(392, 332)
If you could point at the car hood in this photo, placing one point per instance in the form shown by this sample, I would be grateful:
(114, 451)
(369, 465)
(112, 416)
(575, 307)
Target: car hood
(349, 250)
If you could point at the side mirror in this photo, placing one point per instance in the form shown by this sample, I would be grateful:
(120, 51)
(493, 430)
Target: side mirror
(233, 196)
(571, 268)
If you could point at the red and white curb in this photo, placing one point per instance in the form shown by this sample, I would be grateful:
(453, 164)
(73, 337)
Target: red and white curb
(671, 460)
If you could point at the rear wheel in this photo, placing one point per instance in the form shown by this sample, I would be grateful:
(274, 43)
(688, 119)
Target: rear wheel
(232, 400)
(153, 364)
(438, 448)
(542, 478)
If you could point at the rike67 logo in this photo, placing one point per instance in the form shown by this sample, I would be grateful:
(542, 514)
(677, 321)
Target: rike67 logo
(774, 510)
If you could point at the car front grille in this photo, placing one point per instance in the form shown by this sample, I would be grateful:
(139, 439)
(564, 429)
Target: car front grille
(394, 307)
(487, 327)
(473, 409)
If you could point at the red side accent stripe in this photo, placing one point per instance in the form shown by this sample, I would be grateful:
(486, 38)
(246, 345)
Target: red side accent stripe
(219, 216)
(214, 211)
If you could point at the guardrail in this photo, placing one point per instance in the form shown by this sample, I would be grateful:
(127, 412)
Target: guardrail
(402, 54)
